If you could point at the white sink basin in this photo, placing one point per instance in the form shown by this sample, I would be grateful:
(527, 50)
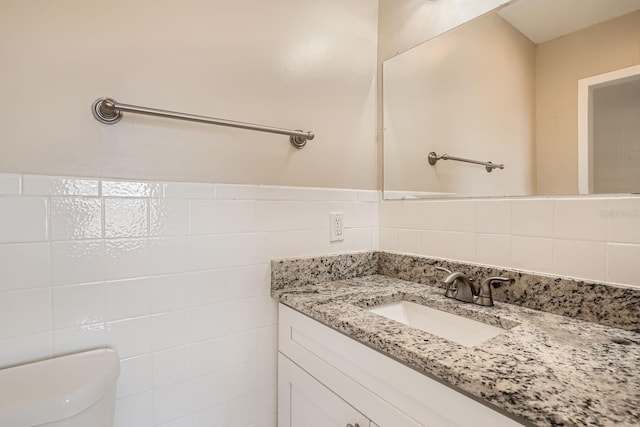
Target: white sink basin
(449, 326)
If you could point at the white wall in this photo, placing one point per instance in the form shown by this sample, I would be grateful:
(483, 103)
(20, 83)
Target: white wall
(298, 64)
(174, 276)
(594, 238)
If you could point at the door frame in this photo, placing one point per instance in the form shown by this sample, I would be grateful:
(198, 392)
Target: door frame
(585, 124)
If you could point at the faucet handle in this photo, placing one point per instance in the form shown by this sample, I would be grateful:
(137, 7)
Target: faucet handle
(485, 296)
(450, 290)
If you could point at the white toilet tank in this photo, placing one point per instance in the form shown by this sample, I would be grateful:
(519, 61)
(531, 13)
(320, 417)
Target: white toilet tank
(78, 390)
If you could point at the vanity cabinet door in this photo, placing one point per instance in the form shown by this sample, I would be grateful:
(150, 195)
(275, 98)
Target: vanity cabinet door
(305, 402)
(384, 390)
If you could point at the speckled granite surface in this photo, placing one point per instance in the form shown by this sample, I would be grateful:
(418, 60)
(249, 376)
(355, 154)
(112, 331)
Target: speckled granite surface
(300, 271)
(547, 369)
(591, 301)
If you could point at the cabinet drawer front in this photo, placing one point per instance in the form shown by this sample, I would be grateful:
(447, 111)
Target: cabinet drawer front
(422, 400)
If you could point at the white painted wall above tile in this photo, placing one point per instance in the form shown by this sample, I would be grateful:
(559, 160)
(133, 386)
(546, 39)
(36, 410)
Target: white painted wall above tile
(297, 64)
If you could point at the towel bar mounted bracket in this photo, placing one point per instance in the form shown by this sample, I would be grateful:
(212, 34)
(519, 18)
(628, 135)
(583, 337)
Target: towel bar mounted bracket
(105, 112)
(109, 112)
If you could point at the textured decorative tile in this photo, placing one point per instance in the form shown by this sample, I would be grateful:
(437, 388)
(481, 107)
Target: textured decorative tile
(76, 218)
(41, 185)
(126, 218)
(132, 189)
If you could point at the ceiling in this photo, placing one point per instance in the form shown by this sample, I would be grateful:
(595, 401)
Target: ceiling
(544, 20)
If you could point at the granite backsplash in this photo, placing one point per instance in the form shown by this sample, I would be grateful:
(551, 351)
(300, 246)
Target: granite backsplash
(596, 302)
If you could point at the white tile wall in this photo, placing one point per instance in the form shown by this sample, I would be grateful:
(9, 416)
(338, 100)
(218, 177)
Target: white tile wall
(39, 185)
(74, 218)
(622, 263)
(174, 276)
(137, 375)
(14, 258)
(23, 219)
(9, 183)
(594, 238)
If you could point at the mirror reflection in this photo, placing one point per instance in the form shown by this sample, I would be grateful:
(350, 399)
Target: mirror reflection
(503, 89)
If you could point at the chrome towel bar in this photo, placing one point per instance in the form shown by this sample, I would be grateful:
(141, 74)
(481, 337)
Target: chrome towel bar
(108, 111)
(433, 159)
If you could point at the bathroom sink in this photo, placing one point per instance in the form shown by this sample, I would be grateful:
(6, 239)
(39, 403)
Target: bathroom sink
(452, 327)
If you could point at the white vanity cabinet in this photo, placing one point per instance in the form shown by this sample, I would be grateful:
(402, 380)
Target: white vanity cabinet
(327, 379)
(304, 401)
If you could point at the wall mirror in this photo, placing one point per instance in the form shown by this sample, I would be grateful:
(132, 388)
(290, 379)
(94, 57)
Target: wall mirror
(503, 91)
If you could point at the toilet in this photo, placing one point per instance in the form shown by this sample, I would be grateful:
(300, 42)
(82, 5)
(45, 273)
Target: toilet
(77, 390)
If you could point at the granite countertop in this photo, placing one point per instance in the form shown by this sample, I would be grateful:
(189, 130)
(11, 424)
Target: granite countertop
(546, 369)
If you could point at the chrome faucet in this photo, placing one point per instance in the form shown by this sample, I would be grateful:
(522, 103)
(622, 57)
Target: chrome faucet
(463, 288)
(459, 286)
